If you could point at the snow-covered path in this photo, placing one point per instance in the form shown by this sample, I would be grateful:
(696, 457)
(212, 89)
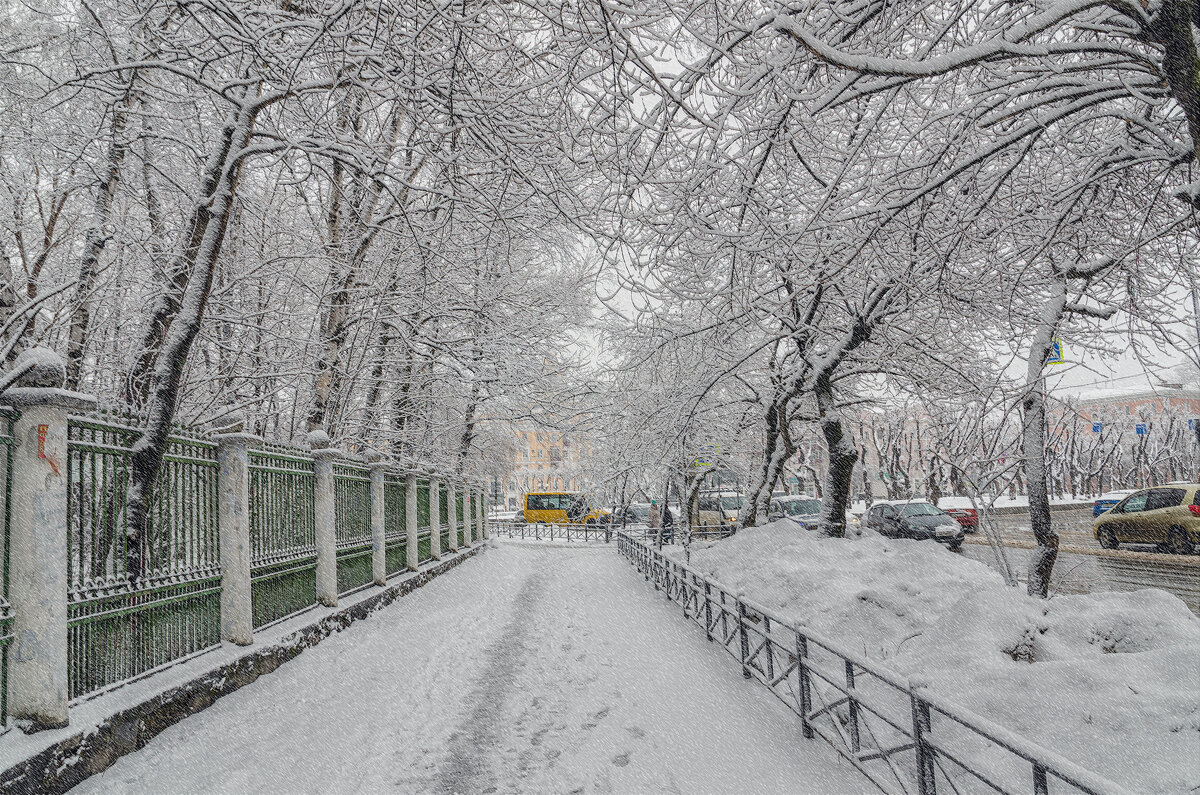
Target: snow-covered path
(527, 669)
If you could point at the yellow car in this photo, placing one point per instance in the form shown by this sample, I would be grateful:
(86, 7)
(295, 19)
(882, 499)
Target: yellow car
(561, 507)
(1165, 515)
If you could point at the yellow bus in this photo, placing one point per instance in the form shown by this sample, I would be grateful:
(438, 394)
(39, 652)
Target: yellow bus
(561, 507)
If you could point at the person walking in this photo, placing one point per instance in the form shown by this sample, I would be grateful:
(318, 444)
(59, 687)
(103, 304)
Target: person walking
(668, 525)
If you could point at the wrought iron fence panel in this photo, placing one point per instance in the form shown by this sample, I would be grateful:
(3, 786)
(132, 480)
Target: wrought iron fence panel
(394, 532)
(283, 542)
(443, 503)
(903, 738)
(352, 510)
(117, 628)
(460, 518)
(424, 533)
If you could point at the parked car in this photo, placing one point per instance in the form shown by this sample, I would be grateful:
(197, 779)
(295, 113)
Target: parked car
(718, 509)
(962, 511)
(805, 511)
(800, 508)
(1106, 501)
(918, 519)
(633, 513)
(1168, 516)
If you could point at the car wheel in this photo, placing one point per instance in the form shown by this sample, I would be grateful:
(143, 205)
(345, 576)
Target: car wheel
(1108, 538)
(1178, 542)
(956, 546)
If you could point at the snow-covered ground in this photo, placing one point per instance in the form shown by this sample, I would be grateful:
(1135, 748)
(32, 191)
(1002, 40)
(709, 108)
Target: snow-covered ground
(1111, 681)
(527, 669)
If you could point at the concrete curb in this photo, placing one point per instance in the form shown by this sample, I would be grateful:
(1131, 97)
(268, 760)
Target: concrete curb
(1011, 510)
(94, 749)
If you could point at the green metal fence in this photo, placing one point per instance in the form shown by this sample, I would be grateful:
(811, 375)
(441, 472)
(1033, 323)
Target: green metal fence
(443, 498)
(394, 533)
(7, 440)
(458, 511)
(283, 543)
(118, 629)
(352, 508)
(424, 535)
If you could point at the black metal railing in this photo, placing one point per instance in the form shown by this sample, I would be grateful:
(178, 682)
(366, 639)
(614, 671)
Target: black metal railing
(902, 737)
(542, 531)
(599, 531)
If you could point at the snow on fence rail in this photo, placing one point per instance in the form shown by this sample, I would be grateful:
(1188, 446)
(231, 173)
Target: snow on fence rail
(901, 736)
(241, 534)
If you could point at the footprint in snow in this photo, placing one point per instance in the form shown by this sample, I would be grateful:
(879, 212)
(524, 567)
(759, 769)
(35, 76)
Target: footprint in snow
(596, 717)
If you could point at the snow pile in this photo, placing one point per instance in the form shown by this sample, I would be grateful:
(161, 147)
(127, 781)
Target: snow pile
(1110, 681)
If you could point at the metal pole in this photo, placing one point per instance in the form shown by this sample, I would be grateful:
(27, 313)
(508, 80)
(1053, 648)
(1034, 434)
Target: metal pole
(852, 703)
(805, 685)
(1196, 320)
(708, 610)
(745, 644)
(1196, 317)
(926, 780)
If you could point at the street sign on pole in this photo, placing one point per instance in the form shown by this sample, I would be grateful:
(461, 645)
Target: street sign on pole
(1097, 427)
(707, 455)
(1140, 428)
(1056, 353)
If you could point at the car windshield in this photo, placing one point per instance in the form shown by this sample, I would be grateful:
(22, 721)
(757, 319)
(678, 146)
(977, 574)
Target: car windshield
(920, 509)
(731, 503)
(801, 507)
(640, 511)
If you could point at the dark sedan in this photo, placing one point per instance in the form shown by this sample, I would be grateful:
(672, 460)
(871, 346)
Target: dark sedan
(919, 520)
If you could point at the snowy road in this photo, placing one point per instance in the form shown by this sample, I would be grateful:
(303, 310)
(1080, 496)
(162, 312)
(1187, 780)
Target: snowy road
(527, 669)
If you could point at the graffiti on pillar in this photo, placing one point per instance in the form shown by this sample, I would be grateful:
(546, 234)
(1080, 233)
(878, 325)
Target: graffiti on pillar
(41, 436)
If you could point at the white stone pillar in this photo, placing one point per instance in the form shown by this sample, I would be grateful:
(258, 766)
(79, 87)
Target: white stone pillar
(468, 525)
(233, 517)
(326, 525)
(452, 509)
(410, 520)
(378, 524)
(37, 564)
(435, 515)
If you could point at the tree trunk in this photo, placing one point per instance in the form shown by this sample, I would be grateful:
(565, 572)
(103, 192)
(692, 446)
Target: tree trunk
(8, 305)
(202, 246)
(96, 238)
(172, 279)
(1033, 439)
(775, 456)
(842, 456)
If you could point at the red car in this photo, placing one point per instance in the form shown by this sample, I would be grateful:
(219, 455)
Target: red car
(967, 517)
